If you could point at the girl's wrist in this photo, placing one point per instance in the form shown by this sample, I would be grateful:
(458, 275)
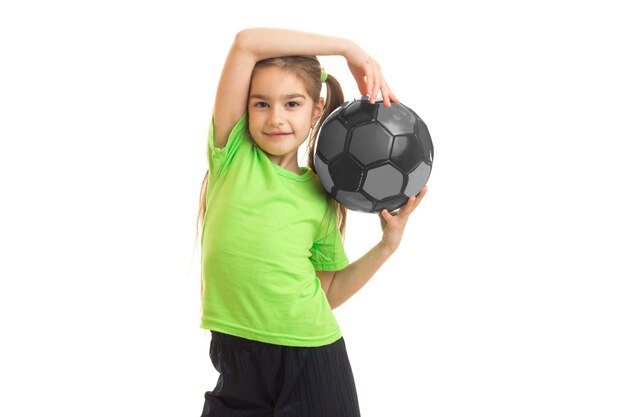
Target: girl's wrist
(348, 48)
(385, 250)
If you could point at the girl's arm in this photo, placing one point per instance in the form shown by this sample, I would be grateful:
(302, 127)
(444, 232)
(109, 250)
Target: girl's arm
(346, 282)
(253, 45)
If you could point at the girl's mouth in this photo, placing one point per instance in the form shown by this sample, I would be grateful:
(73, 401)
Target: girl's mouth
(278, 134)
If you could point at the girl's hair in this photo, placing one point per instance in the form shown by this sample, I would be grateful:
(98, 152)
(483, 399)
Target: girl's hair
(309, 70)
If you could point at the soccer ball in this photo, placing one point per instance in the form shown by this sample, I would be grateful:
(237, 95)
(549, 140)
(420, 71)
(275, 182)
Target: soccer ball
(370, 157)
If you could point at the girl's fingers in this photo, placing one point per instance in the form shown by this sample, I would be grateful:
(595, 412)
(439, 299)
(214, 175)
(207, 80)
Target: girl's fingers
(408, 207)
(386, 215)
(384, 88)
(372, 80)
(375, 90)
(361, 84)
(419, 197)
(369, 77)
(380, 87)
(387, 96)
(391, 97)
(378, 83)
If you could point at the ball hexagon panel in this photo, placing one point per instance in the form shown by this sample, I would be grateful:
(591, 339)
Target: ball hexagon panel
(347, 173)
(370, 143)
(426, 141)
(417, 179)
(391, 203)
(382, 182)
(354, 201)
(359, 112)
(322, 172)
(398, 119)
(332, 139)
(406, 152)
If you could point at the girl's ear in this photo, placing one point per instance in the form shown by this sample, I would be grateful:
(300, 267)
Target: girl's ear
(318, 110)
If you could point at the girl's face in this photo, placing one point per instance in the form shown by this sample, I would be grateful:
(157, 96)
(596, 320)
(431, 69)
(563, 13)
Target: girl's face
(280, 114)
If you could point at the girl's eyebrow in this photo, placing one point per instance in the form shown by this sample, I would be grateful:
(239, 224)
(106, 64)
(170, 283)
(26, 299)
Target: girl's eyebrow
(286, 97)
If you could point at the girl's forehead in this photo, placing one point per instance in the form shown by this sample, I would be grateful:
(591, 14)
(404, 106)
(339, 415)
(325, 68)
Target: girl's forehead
(276, 81)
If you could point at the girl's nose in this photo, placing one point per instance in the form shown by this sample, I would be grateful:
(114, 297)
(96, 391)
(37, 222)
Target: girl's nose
(276, 117)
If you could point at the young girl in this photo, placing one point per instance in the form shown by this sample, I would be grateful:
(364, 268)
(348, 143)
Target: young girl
(273, 262)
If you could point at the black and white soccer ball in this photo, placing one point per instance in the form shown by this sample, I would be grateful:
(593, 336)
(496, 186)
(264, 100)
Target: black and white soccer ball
(370, 157)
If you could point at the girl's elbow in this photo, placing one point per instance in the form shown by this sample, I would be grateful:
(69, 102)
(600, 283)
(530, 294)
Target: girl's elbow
(332, 301)
(334, 304)
(244, 38)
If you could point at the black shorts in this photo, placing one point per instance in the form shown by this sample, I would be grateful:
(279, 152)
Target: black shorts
(258, 379)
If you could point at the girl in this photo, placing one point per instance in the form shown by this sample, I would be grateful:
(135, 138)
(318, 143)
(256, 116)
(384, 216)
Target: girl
(273, 262)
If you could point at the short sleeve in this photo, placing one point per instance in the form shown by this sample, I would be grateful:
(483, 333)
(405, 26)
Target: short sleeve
(218, 158)
(327, 252)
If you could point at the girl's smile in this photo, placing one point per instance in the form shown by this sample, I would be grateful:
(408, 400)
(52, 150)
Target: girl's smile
(277, 135)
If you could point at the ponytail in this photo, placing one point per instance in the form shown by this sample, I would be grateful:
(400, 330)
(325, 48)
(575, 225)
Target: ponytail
(334, 99)
(201, 208)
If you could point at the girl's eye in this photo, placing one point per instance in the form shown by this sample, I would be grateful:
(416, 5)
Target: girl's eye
(261, 104)
(293, 104)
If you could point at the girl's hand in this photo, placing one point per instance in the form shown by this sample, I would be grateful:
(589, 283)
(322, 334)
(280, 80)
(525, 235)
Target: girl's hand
(368, 76)
(393, 224)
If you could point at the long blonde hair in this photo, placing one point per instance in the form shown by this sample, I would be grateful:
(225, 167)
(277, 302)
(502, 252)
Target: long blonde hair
(308, 68)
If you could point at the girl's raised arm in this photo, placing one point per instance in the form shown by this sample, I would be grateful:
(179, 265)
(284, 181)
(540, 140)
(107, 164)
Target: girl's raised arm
(231, 97)
(253, 45)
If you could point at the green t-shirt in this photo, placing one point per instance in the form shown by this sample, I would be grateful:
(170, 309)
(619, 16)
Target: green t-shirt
(266, 230)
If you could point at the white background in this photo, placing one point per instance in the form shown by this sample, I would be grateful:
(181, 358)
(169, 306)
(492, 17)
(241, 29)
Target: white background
(506, 297)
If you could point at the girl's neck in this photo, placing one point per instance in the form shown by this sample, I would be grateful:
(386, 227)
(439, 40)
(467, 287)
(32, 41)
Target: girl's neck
(288, 162)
